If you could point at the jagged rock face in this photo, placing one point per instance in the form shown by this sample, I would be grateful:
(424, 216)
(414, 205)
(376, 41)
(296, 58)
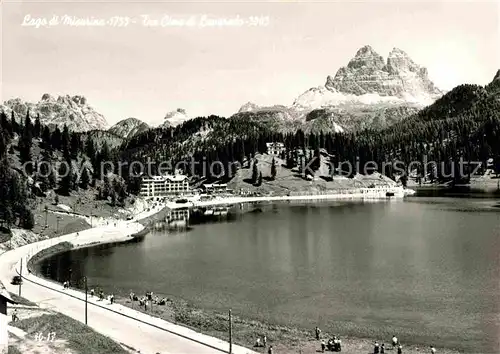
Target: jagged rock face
(129, 127)
(494, 86)
(367, 73)
(248, 107)
(72, 111)
(175, 118)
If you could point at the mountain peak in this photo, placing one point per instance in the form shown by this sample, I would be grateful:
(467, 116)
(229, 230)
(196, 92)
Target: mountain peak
(497, 76)
(368, 73)
(128, 127)
(248, 107)
(365, 50)
(72, 111)
(366, 59)
(175, 118)
(396, 52)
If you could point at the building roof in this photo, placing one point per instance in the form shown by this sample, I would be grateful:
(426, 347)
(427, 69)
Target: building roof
(5, 294)
(210, 185)
(166, 177)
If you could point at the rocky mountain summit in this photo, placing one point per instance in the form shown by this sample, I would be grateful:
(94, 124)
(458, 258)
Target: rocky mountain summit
(248, 107)
(175, 118)
(74, 111)
(129, 127)
(367, 93)
(399, 76)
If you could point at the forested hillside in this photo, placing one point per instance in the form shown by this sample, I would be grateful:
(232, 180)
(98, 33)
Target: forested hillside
(36, 161)
(464, 124)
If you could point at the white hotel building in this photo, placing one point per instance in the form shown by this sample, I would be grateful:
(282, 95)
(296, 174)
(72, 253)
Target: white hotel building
(164, 186)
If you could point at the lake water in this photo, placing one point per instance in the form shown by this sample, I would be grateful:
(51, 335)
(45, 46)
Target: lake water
(425, 268)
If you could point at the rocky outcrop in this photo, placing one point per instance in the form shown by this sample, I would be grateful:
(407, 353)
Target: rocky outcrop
(72, 111)
(248, 107)
(369, 92)
(400, 76)
(129, 127)
(175, 118)
(494, 86)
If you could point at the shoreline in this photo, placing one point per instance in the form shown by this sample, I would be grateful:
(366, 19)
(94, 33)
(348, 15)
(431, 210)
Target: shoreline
(114, 232)
(245, 330)
(347, 194)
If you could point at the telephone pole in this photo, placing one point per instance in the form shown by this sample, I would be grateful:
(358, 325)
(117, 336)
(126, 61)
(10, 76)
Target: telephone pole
(21, 275)
(86, 291)
(230, 333)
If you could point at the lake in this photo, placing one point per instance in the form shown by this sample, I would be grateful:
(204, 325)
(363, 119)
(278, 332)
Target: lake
(424, 268)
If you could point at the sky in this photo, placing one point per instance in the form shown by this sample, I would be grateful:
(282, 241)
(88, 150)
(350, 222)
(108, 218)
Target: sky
(146, 71)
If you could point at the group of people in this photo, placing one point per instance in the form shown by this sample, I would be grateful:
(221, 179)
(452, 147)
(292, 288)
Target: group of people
(101, 296)
(147, 299)
(263, 343)
(335, 345)
(380, 348)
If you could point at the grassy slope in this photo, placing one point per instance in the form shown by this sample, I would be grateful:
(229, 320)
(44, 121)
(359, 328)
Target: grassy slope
(290, 181)
(78, 337)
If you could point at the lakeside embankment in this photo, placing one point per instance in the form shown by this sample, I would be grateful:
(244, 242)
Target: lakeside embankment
(154, 332)
(284, 338)
(345, 194)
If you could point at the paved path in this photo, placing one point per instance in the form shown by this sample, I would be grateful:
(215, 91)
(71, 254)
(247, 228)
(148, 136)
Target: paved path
(160, 337)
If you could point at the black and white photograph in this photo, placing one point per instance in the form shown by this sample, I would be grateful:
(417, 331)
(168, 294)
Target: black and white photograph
(249, 176)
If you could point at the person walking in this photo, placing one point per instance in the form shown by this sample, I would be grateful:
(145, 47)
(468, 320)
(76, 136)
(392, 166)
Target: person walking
(394, 341)
(318, 333)
(433, 350)
(382, 348)
(400, 349)
(111, 299)
(323, 345)
(264, 341)
(14, 316)
(270, 350)
(376, 348)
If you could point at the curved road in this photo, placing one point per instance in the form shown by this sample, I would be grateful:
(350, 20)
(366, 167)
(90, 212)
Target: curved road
(153, 335)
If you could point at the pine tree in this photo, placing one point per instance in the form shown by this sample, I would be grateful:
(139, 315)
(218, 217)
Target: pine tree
(46, 138)
(255, 171)
(3, 145)
(85, 178)
(13, 123)
(90, 148)
(65, 143)
(37, 129)
(259, 180)
(273, 169)
(27, 220)
(56, 139)
(6, 125)
(25, 143)
(75, 145)
(67, 179)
